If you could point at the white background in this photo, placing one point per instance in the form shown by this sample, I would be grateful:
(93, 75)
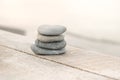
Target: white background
(98, 19)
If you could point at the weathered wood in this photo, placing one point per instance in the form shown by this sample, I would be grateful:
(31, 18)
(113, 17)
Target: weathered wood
(15, 65)
(89, 61)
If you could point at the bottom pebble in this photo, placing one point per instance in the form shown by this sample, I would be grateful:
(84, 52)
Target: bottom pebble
(43, 51)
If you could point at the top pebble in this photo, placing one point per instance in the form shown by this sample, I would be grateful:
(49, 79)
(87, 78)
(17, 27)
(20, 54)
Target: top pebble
(51, 30)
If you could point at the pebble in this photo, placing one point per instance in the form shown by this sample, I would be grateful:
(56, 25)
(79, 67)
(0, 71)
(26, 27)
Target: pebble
(43, 38)
(42, 51)
(51, 30)
(51, 45)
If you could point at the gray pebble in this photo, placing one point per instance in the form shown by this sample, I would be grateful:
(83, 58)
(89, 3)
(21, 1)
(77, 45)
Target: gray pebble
(43, 38)
(42, 51)
(51, 30)
(51, 45)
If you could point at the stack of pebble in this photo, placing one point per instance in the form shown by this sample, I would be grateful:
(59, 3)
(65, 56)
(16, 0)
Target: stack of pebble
(50, 40)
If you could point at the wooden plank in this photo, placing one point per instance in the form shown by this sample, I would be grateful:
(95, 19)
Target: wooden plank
(89, 61)
(15, 65)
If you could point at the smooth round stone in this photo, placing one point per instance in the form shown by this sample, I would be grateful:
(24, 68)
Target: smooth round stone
(51, 45)
(42, 51)
(51, 30)
(43, 38)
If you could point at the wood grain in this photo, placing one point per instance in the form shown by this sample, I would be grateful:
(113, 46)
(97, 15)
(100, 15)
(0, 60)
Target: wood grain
(15, 65)
(89, 61)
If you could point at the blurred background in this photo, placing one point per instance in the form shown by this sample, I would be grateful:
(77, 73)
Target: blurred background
(91, 24)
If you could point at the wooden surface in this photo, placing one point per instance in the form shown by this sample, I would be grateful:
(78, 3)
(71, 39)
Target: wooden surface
(76, 64)
(15, 65)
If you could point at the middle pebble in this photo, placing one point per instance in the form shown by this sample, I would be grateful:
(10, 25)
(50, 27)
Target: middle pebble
(44, 38)
(51, 45)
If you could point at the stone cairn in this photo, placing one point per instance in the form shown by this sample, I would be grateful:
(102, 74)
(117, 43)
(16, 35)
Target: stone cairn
(50, 40)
